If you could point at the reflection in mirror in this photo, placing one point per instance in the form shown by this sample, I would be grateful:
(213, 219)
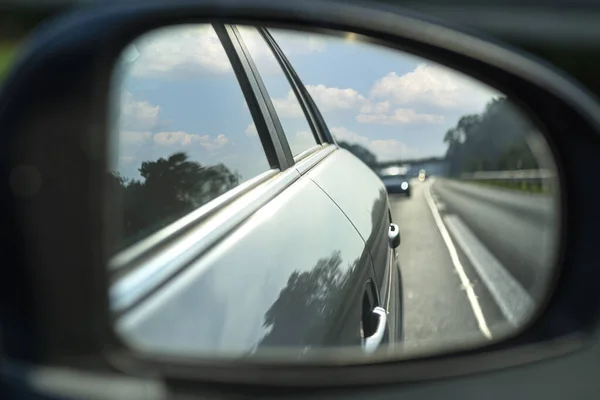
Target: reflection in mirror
(185, 133)
(297, 262)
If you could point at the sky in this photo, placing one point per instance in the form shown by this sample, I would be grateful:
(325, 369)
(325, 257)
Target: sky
(175, 90)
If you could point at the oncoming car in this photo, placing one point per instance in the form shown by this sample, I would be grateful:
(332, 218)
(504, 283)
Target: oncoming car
(396, 180)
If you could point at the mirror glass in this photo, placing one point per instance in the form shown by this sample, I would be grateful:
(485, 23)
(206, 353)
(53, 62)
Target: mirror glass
(260, 181)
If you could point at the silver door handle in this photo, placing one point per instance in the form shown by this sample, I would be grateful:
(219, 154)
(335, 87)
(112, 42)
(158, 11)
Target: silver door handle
(394, 235)
(371, 343)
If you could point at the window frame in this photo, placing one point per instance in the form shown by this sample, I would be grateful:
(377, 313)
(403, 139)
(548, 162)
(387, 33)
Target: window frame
(310, 157)
(272, 127)
(285, 69)
(321, 130)
(293, 80)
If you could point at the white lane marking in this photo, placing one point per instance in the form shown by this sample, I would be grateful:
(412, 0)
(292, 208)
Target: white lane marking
(466, 284)
(512, 299)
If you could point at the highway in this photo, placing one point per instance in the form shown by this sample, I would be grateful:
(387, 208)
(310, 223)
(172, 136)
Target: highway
(474, 260)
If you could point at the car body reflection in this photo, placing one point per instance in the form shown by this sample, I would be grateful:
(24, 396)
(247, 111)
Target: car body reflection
(258, 288)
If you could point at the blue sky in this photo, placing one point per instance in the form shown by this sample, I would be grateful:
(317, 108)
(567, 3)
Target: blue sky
(178, 93)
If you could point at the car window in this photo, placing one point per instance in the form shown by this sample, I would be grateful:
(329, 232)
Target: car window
(183, 132)
(287, 106)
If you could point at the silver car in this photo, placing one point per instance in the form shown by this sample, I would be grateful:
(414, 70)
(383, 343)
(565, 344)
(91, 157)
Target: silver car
(304, 251)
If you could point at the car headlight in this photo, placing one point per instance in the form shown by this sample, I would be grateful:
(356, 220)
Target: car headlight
(404, 185)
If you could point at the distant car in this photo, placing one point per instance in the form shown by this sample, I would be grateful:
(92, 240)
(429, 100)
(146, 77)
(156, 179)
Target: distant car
(396, 180)
(397, 184)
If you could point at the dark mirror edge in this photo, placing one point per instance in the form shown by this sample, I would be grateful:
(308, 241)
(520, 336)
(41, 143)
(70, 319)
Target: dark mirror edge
(128, 22)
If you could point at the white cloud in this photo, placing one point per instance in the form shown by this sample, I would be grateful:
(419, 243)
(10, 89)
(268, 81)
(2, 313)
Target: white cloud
(400, 116)
(179, 52)
(185, 51)
(185, 139)
(331, 98)
(434, 85)
(302, 140)
(384, 150)
(288, 107)
(261, 53)
(427, 87)
(251, 130)
(377, 108)
(343, 134)
(127, 159)
(179, 137)
(134, 137)
(294, 42)
(137, 115)
(217, 143)
(391, 149)
(326, 98)
(139, 122)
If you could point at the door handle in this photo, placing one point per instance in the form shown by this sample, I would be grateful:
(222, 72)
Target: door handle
(394, 236)
(371, 343)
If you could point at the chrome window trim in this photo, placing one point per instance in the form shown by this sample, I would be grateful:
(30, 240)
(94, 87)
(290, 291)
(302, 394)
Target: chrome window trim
(312, 159)
(301, 156)
(194, 233)
(161, 237)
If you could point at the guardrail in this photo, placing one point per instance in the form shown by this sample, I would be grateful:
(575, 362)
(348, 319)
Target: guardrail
(521, 174)
(526, 179)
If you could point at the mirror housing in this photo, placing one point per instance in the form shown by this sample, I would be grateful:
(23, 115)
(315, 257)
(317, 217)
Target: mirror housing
(56, 101)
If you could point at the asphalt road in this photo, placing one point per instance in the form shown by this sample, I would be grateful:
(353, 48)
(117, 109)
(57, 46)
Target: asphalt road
(474, 261)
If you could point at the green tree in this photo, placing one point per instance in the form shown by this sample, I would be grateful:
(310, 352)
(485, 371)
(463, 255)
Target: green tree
(494, 140)
(517, 156)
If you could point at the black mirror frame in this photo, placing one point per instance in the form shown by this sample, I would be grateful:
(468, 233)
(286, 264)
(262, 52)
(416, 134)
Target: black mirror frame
(56, 102)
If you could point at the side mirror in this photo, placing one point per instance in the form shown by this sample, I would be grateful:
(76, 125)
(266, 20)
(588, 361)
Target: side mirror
(190, 195)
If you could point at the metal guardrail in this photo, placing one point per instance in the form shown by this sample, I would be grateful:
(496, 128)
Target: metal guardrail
(526, 179)
(522, 174)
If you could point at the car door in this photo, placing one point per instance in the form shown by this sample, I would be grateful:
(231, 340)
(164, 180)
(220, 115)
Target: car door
(308, 158)
(273, 262)
(363, 198)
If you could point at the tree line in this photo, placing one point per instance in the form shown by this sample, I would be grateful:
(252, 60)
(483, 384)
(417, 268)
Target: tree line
(494, 140)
